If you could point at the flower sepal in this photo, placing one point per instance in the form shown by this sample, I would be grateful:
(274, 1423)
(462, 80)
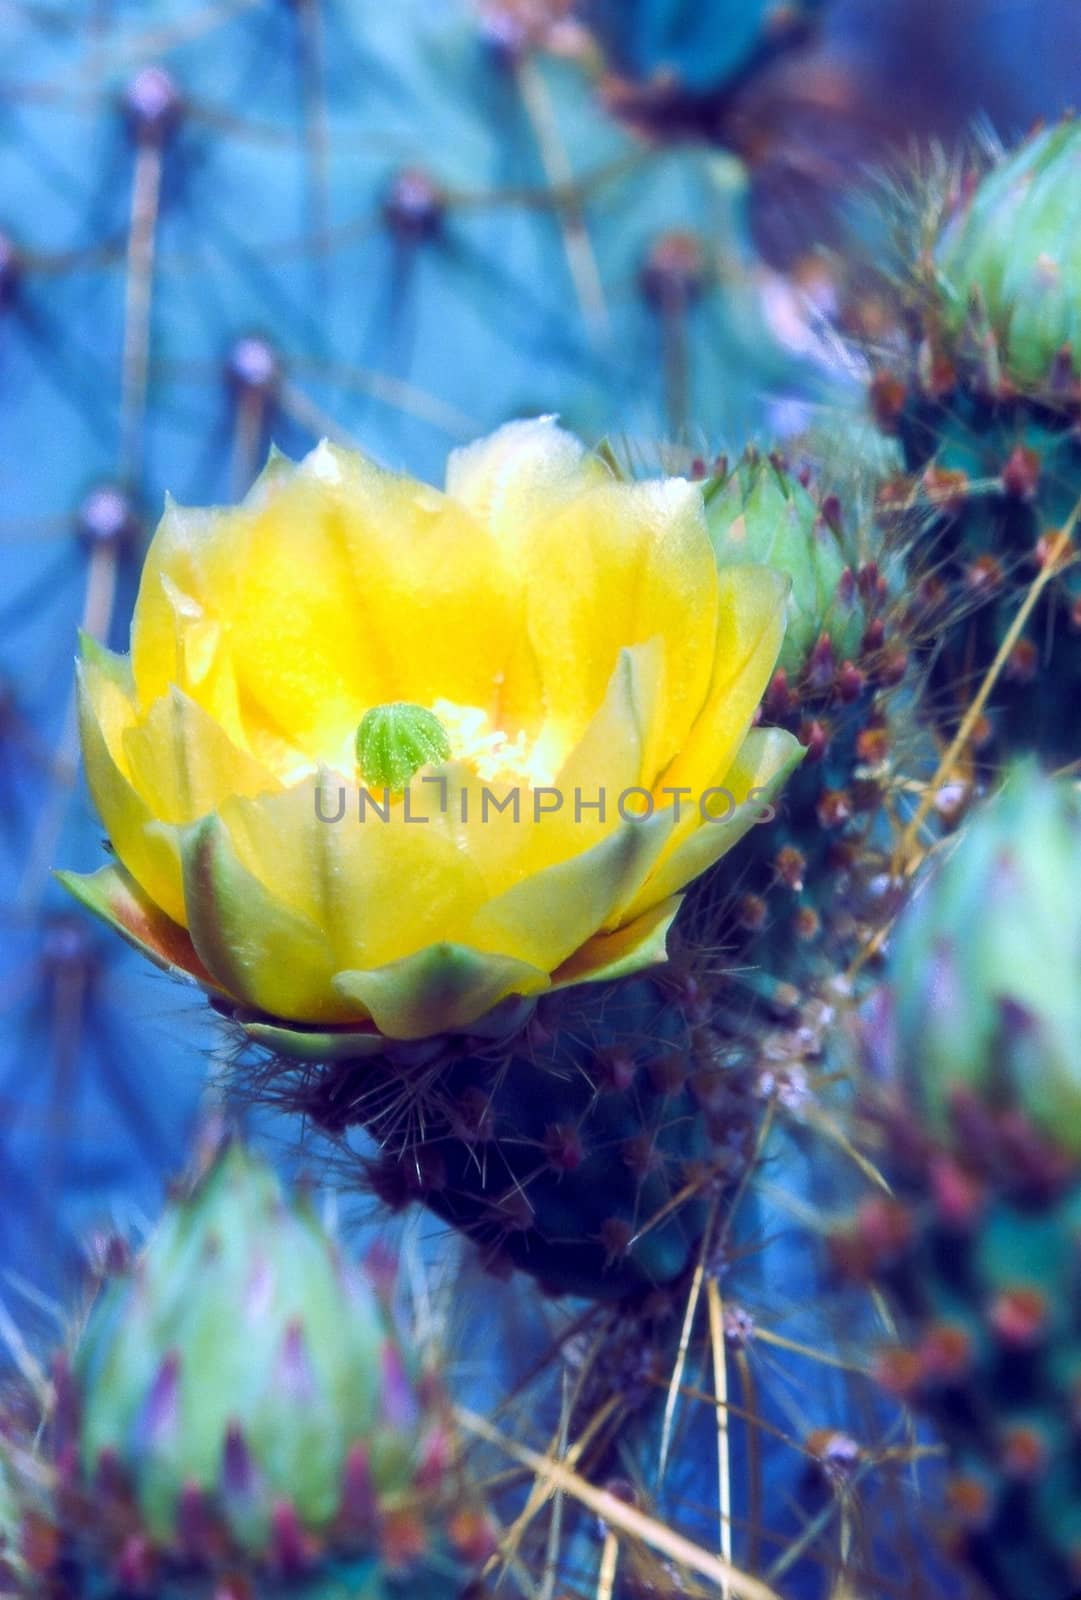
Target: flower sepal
(112, 895)
(320, 1046)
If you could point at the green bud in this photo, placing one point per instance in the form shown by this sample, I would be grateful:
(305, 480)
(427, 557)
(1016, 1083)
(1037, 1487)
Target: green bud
(986, 965)
(394, 741)
(243, 1357)
(760, 513)
(1010, 263)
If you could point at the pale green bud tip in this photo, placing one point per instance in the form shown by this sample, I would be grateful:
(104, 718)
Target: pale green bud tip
(395, 741)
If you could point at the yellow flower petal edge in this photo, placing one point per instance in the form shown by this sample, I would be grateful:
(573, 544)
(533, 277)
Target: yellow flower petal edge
(114, 896)
(565, 641)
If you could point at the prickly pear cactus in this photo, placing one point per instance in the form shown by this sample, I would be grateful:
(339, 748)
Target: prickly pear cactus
(804, 897)
(522, 845)
(239, 1414)
(986, 406)
(977, 1250)
(228, 226)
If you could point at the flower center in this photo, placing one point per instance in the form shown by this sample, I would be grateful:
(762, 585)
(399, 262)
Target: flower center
(495, 756)
(394, 741)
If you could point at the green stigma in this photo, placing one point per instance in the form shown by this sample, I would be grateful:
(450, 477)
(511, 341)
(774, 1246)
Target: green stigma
(395, 741)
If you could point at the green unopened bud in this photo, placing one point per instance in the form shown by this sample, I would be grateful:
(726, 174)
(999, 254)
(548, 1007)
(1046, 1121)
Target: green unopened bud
(761, 513)
(1009, 261)
(394, 741)
(983, 968)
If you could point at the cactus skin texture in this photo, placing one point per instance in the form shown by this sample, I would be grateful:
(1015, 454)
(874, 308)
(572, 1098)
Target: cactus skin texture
(978, 1247)
(805, 874)
(584, 1150)
(239, 1417)
(694, 51)
(987, 409)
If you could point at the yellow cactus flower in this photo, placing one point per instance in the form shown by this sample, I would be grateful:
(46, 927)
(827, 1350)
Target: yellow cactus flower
(383, 757)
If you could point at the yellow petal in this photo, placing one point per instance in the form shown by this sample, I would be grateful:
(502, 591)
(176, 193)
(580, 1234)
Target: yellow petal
(521, 473)
(147, 847)
(339, 588)
(638, 944)
(190, 579)
(376, 890)
(546, 917)
(362, 588)
(301, 647)
(623, 564)
(614, 751)
(253, 945)
(274, 477)
(184, 764)
(520, 476)
(581, 806)
(751, 604)
(763, 762)
(105, 679)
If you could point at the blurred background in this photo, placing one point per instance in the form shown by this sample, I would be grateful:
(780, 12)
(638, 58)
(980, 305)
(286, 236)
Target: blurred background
(230, 222)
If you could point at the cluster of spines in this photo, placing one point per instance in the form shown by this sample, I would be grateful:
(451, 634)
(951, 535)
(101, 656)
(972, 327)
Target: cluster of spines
(804, 872)
(584, 1151)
